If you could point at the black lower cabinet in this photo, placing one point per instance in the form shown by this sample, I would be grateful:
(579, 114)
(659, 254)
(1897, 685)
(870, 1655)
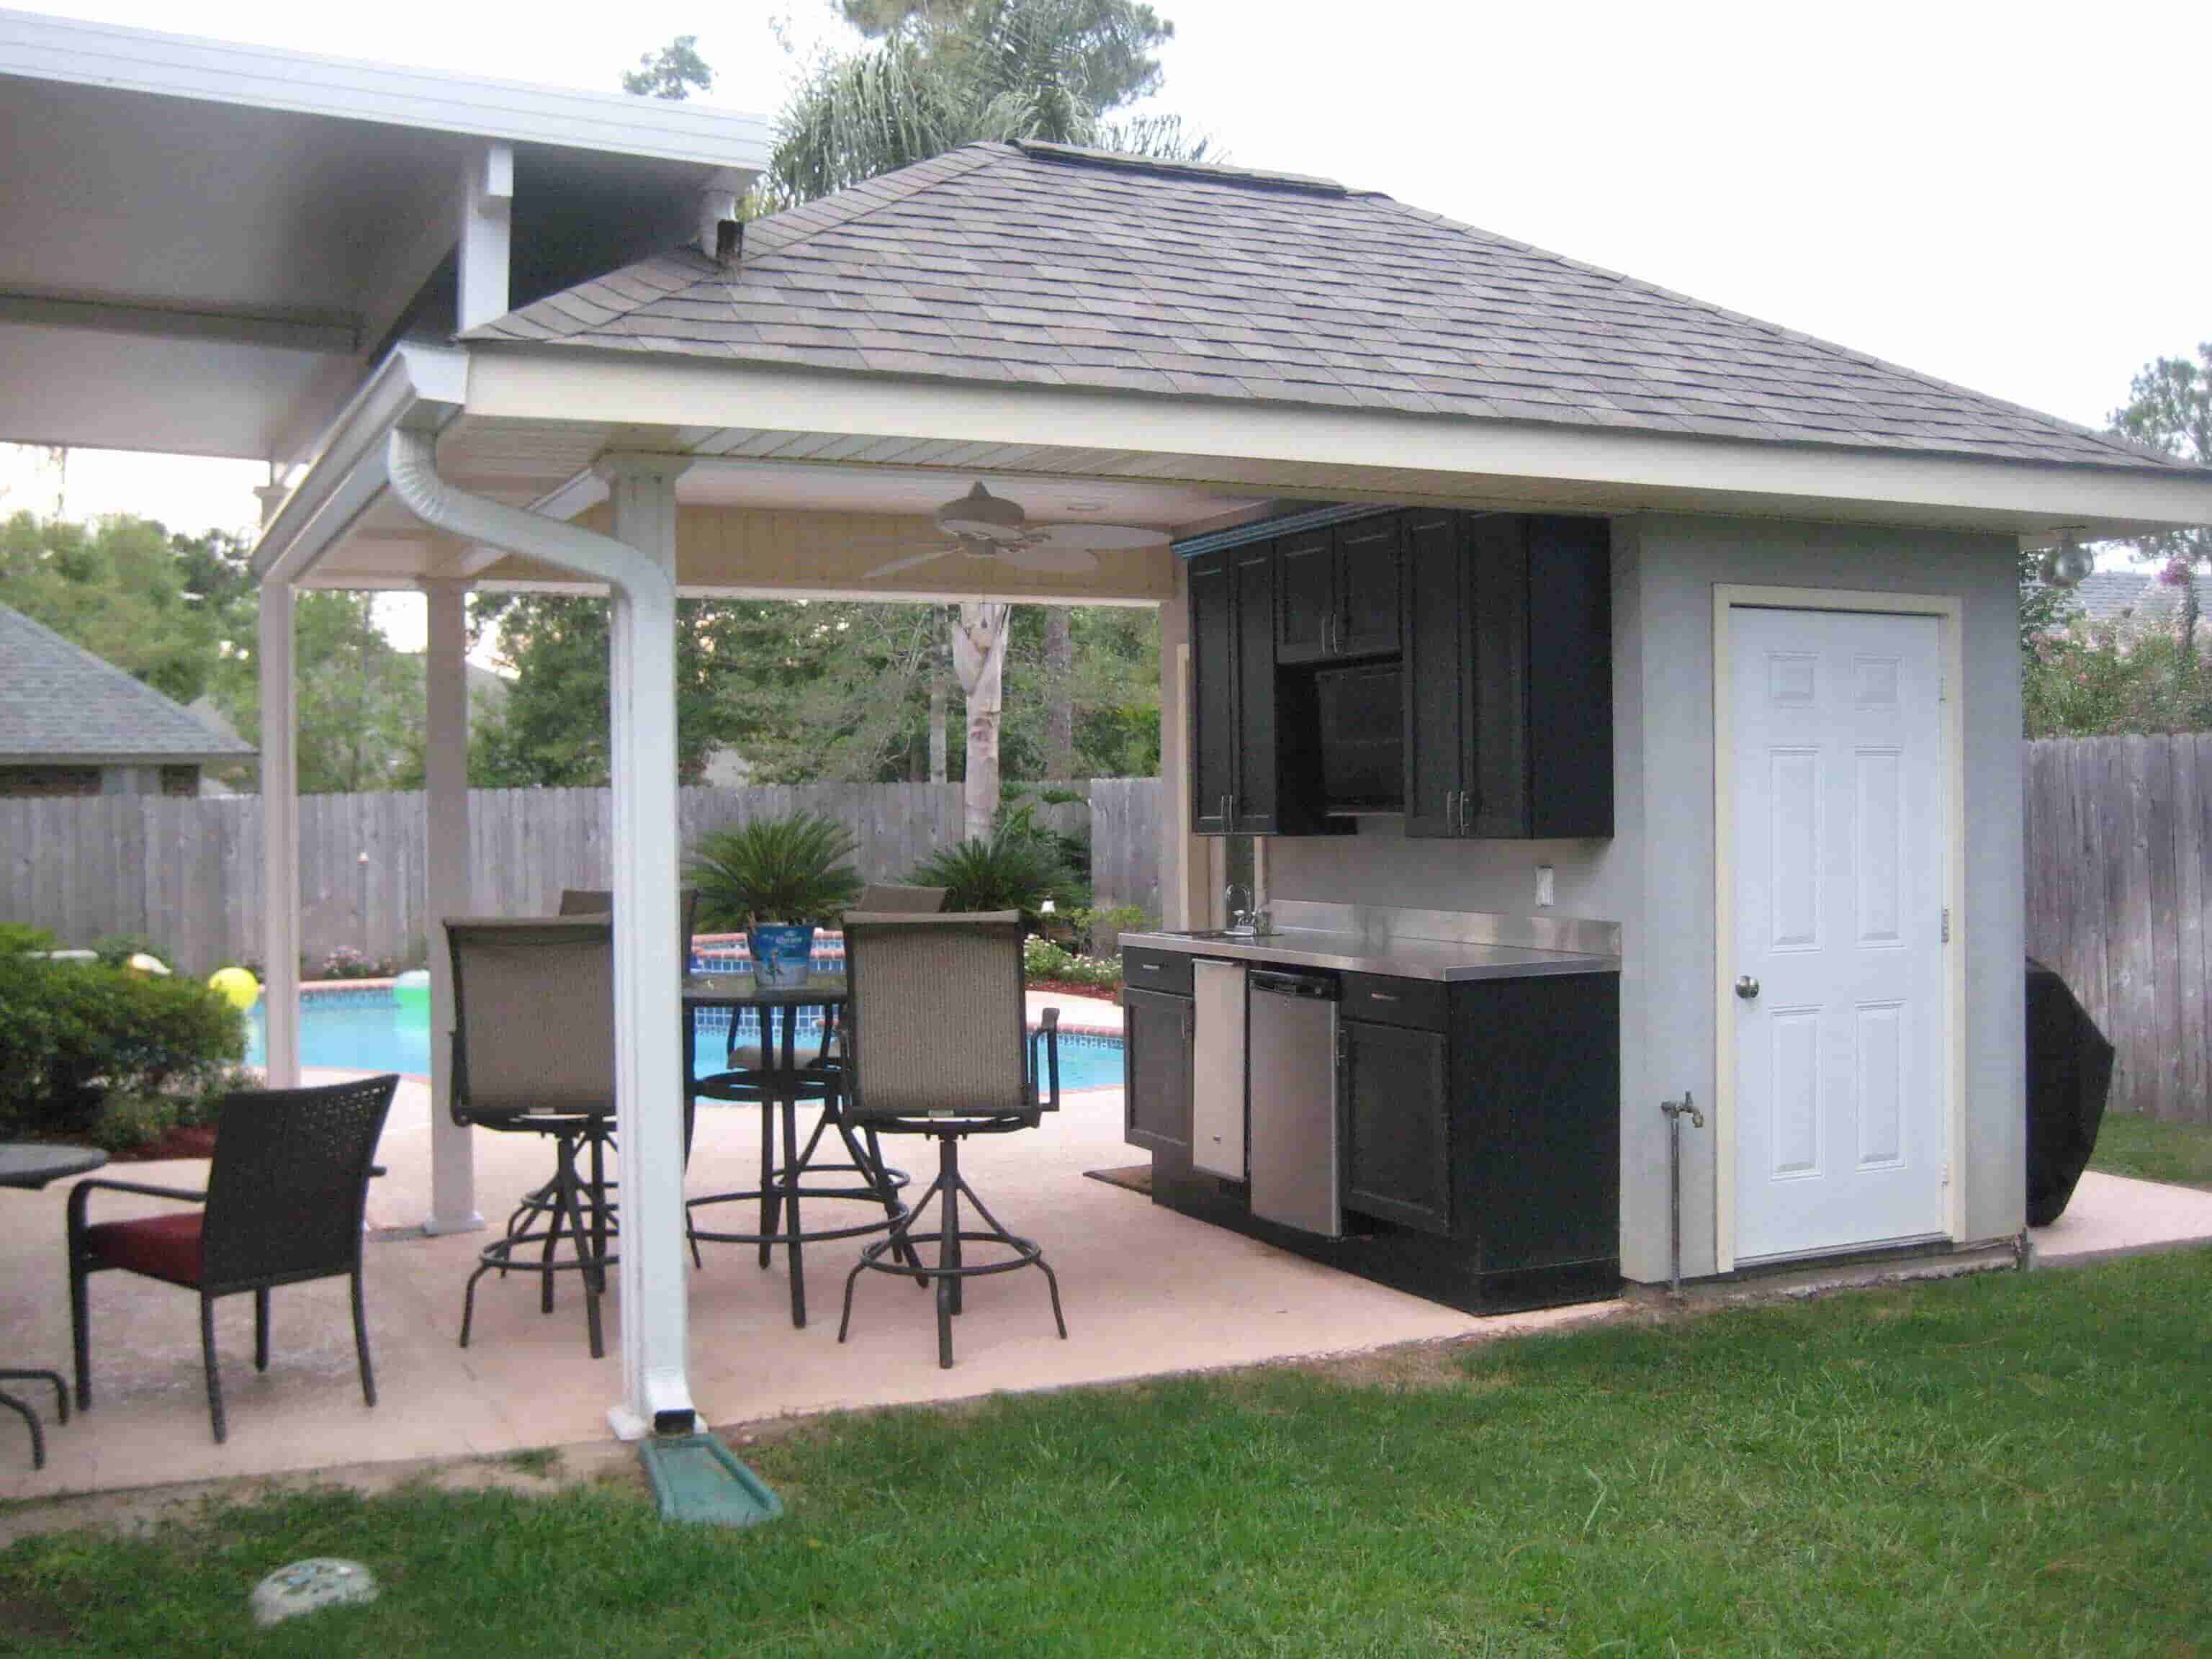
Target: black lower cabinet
(1478, 1137)
(1394, 1102)
(1156, 1082)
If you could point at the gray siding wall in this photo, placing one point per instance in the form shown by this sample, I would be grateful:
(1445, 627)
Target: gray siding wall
(1655, 876)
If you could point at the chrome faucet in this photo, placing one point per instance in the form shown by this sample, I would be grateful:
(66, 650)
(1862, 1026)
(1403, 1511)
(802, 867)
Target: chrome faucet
(1238, 912)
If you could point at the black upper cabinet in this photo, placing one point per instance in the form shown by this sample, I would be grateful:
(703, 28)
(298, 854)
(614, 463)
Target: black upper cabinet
(1338, 591)
(1509, 676)
(1213, 592)
(1255, 803)
(1255, 767)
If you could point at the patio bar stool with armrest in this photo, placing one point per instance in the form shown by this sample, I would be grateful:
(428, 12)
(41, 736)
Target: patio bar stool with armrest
(938, 1045)
(534, 1054)
(287, 1190)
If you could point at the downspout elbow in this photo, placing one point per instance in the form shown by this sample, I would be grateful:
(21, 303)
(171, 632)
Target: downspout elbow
(412, 466)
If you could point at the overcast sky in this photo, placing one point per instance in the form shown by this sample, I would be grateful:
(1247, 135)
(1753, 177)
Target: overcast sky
(2008, 197)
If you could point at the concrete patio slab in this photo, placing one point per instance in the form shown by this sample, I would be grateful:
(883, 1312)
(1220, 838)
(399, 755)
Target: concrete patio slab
(1146, 1292)
(2115, 1215)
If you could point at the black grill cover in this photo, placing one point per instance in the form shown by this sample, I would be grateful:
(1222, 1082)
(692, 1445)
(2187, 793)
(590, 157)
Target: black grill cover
(2069, 1072)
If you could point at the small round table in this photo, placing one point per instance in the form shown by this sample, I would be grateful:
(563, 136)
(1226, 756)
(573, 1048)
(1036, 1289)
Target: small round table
(783, 1085)
(31, 1165)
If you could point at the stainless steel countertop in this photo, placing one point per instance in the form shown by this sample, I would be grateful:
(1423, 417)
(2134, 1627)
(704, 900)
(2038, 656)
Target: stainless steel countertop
(1366, 953)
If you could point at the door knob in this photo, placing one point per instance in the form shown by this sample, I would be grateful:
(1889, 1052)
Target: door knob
(1746, 988)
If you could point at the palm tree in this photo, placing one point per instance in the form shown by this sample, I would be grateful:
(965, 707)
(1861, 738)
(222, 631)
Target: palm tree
(943, 73)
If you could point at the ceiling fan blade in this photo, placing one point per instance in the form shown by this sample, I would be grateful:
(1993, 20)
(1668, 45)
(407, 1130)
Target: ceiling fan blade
(909, 562)
(1048, 559)
(1097, 536)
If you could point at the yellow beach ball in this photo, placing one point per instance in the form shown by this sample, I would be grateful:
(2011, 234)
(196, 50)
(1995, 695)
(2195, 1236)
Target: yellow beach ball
(234, 986)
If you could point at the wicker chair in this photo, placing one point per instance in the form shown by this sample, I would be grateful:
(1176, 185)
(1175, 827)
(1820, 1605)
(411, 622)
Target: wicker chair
(534, 1054)
(937, 1046)
(286, 1192)
(885, 900)
(600, 901)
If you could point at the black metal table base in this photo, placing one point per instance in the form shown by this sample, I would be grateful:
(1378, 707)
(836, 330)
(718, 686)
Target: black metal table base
(572, 1206)
(30, 1417)
(783, 1186)
(951, 1267)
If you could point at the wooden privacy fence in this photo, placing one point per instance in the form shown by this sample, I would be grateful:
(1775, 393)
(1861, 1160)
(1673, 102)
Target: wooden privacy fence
(187, 873)
(2119, 870)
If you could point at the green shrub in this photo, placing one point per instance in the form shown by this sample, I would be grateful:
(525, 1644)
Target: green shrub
(17, 937)
(794, 872)
(1012, 871)
(72, 1033)
(131, 1124)
(116, 949)
(1042, 959)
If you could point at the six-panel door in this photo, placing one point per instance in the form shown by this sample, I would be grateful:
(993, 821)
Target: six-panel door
(1839, 828)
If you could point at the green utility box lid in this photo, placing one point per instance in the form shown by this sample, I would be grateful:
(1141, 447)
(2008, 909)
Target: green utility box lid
(696, 1479)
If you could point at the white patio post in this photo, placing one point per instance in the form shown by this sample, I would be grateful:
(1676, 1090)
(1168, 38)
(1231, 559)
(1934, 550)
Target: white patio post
(648, 1002)
(280, 839)
(446, 804)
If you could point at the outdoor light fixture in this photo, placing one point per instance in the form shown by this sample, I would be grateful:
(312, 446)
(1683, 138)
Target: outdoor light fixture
(2066, 563)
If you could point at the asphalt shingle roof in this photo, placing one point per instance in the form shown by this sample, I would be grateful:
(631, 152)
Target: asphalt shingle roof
(2109, 595)
(1037, 265)
(57, 699)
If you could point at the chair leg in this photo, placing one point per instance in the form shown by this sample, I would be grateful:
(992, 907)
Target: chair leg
(261, 1330)
(1051, 1278)
(361, 1341)
(31, 1422)
(213, 1378)
(80, 1327)
(951, 1254)
(770, 1198)
(590, 1276)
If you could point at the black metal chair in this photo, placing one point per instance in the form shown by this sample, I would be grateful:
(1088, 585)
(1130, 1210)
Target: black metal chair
(534, 1054)
(287, 1190)
(937, 1044)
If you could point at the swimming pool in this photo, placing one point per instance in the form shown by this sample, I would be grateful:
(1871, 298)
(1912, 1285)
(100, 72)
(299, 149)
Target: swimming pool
(363, 1030)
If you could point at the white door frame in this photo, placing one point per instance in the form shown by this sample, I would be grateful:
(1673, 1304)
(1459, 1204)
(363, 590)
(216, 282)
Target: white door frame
(1950, 620)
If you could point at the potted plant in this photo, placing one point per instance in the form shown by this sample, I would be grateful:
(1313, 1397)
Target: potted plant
(778, 880)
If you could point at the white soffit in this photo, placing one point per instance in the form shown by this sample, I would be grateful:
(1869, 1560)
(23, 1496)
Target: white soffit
(918, 491)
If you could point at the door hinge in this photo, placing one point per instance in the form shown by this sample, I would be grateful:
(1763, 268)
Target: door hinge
(1946, 924)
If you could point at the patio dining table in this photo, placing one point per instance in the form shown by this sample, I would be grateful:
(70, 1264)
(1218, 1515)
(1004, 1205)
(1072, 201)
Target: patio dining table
(778, 1086)
(30, 1164)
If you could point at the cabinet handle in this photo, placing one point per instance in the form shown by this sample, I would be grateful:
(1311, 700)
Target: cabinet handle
(1451, 812)
(1382, 996)
(1148, 967)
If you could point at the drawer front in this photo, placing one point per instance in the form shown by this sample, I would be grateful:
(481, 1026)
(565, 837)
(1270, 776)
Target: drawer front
(1388, 1000)
(1156, 970)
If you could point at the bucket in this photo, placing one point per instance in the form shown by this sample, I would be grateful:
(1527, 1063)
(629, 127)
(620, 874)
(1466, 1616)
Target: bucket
(783, 956)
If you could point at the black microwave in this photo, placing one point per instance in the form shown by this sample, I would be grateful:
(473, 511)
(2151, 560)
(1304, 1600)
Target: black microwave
(1363, 737)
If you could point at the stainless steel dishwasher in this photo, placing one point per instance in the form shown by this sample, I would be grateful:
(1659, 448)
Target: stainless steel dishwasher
(1293, 1151)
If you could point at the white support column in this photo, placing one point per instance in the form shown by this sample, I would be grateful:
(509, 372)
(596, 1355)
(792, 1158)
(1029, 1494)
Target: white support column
(280, 839)
(486, 229)
(446, 777)
(648, 1000)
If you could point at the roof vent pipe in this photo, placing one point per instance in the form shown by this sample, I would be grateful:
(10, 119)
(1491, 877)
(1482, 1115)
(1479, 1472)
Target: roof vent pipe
(729, 242)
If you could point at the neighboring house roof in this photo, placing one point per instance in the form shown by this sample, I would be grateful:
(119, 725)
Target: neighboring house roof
(64, 705)
(2109, 595)
(1037, 265)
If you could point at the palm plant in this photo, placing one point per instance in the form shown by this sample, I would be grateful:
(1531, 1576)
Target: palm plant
(795, 870)
(1017, 867)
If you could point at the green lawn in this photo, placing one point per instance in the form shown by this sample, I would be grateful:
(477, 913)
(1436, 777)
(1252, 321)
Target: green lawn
(2010, 1465)
(2130, 1146)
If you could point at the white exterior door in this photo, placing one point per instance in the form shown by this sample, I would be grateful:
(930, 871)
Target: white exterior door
(1839, 828)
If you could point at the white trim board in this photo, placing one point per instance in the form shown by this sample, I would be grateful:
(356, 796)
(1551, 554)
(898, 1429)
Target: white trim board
(1949, 611)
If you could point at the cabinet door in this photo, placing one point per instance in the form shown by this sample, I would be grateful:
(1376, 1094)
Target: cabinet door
(1212, 587)
(1571, 677)
(1393, 1083)
(1305, 600)
(1258, 806)
(1435, 670)
(1497, 709)
(1155, 1051)
(1367, 577)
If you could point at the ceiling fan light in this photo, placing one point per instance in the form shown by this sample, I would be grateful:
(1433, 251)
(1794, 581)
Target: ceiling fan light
(978, 513)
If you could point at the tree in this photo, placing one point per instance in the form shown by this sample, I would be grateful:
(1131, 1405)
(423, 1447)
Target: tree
(1058, 692)
(671, 73)
(979, 657)
(2170, 409)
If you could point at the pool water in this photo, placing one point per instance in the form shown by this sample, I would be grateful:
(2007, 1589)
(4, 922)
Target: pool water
(365, 1031)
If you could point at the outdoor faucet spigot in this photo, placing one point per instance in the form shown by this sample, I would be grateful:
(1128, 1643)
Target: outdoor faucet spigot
(1675, 1111)
(1688, 1105)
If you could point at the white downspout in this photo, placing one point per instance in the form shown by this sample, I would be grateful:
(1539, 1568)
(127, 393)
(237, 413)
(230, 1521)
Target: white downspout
(641, 569)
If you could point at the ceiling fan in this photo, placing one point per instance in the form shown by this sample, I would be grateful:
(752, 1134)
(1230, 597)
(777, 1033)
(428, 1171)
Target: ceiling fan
(982, 525)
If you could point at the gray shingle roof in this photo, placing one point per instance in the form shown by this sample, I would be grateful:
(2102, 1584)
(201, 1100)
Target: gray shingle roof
(2109, 595)
(1034, 265)
(60, 700)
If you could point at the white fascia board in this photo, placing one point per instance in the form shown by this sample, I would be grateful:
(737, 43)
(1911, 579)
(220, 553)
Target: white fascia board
(416, 386)
(1643, 471)
(266, 77)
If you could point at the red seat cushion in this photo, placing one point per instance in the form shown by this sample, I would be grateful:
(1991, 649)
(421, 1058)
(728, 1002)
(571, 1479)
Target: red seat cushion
(166, 1247)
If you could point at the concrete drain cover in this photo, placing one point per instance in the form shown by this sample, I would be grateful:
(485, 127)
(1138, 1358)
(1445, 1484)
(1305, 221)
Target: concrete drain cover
(305, 1586)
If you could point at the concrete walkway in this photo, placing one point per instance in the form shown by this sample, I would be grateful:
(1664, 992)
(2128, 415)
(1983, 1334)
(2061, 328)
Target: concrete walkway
(2114, 1215)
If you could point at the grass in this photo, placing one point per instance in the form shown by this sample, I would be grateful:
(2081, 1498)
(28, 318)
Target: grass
(2129, 1144)
(2009, 1464)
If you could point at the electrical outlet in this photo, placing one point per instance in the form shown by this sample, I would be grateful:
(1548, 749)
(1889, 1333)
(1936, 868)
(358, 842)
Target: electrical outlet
(1547, 890)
